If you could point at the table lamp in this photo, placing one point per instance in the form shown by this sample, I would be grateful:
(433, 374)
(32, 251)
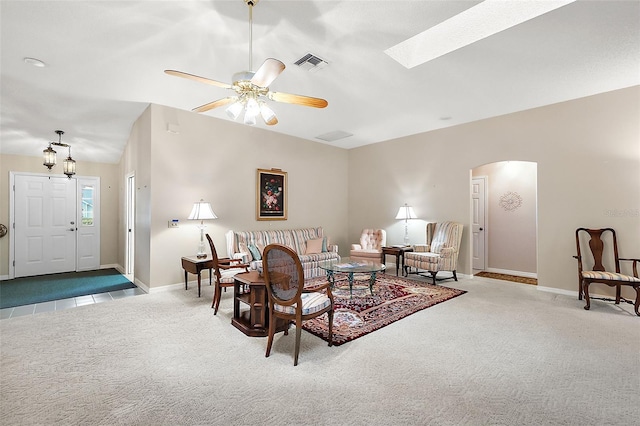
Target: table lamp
(202, 211)
(406, 212)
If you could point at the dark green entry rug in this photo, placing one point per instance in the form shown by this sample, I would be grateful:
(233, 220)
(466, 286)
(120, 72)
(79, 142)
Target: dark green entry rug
(44, 288)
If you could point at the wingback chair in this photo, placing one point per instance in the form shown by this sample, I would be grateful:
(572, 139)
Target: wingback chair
(370, 247)
(440, 253)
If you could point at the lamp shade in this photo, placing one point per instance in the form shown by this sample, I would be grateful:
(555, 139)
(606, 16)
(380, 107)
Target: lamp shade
(202, 210)
(406, 212)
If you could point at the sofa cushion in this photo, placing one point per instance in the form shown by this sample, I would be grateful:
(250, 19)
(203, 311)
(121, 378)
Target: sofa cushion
(314, 246)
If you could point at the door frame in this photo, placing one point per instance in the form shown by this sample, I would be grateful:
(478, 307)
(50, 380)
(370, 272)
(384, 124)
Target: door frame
(78, 214)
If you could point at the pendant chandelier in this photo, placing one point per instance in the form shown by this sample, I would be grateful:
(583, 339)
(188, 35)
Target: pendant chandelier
(69, 164)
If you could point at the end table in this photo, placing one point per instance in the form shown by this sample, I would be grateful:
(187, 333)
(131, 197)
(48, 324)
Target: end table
(398, 252)
(195, 265)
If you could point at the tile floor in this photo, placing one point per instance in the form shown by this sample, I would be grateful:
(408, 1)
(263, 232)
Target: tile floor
(59, 305)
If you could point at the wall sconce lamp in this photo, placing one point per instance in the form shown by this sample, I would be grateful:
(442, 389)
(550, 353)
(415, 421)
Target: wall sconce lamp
(406, 212)
(201, 211)
(68, 166)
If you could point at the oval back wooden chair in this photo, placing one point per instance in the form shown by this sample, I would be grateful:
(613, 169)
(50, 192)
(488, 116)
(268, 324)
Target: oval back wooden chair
(288, 299)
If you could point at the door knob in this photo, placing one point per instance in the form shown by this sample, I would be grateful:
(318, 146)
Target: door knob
(482, 229)
(71, 229)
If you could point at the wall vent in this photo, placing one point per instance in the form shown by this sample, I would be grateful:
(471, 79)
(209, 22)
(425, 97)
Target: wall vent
(311, 62)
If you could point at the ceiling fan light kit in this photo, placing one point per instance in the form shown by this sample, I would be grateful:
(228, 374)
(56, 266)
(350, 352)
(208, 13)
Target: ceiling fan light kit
(252, 88)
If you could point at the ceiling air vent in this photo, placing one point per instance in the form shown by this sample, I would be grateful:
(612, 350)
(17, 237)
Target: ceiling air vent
(311, 62)
(334, 136)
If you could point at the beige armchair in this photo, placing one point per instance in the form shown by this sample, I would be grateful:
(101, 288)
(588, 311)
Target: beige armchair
(440, 253)
(370, 247)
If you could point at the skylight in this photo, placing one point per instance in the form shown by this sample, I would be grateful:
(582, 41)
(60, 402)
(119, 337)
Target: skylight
(476, 23)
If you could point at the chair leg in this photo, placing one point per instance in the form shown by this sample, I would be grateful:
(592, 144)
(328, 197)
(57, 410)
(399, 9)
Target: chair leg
(618, 287)
(298, 335)
(585, 289)
(331, 328)
(216, 299)
(455, 277)
(433, 275)
(272, 331)
(580, 287)
(637, 304)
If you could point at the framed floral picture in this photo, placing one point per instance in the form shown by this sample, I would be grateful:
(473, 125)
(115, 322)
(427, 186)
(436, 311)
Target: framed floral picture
(271, 195)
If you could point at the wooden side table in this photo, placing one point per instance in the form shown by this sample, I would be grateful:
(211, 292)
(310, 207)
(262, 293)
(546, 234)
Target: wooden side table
(398, 252)
(255, 321)
(195, 266)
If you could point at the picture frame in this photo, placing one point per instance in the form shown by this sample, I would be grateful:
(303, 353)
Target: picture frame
(271, 194)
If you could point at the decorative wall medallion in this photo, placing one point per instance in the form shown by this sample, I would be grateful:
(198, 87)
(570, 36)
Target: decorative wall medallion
(510, 201)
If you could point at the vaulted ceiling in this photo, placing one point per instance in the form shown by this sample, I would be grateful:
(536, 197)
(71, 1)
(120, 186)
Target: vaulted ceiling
(105, 62)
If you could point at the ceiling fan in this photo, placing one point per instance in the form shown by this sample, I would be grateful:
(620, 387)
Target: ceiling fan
(252, 88)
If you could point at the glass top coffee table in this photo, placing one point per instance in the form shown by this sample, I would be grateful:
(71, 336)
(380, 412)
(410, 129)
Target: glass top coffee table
(350, 268)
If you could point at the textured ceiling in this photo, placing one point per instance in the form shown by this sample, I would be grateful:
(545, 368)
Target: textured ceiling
(105, 62)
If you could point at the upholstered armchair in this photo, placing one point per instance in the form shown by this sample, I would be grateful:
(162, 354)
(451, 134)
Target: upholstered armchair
(370, 247)
(440, 253)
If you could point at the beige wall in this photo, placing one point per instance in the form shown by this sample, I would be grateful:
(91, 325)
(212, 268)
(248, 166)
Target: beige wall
(587, 152)
(109, 184)
(510, 233)
(588, 156)
(216, 160)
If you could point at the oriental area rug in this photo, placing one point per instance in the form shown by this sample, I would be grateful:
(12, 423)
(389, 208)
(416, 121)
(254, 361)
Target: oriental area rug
(393, 298)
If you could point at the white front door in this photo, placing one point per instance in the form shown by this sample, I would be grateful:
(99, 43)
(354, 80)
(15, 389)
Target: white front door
(478, 226)
(45, 225)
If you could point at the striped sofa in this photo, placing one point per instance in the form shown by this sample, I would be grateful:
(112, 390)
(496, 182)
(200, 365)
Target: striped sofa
(310, 244)
(440, 253)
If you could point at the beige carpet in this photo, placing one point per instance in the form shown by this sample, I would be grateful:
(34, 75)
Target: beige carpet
(502, 354)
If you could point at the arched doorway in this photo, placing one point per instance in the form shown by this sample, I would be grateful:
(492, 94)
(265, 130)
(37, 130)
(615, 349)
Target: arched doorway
(504, 218)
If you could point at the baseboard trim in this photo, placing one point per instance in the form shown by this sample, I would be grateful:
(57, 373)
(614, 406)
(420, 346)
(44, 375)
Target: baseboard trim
(516, 273)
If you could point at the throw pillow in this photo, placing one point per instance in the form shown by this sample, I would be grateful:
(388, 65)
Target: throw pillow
(255, 252)
(314, 246)
(242, 248)
(260, 248)
(324, 245)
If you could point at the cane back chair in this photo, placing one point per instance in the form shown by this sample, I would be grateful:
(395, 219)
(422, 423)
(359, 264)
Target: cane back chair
(288, 299)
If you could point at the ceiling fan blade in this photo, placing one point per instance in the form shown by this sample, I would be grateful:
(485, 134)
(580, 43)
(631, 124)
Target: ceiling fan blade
(215, 104)
(272, 122)
(298, 99)
(268, 71)
(198, 78)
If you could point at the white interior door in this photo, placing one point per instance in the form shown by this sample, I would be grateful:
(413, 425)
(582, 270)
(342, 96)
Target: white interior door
(44, 225)
(478, 226)
(130, 230)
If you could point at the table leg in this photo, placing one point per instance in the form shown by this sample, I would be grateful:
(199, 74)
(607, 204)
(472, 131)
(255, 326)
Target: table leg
(185, 280)
(236, 300)
(372, 281)
(398, 262)
(351, 284)
(199, 278)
